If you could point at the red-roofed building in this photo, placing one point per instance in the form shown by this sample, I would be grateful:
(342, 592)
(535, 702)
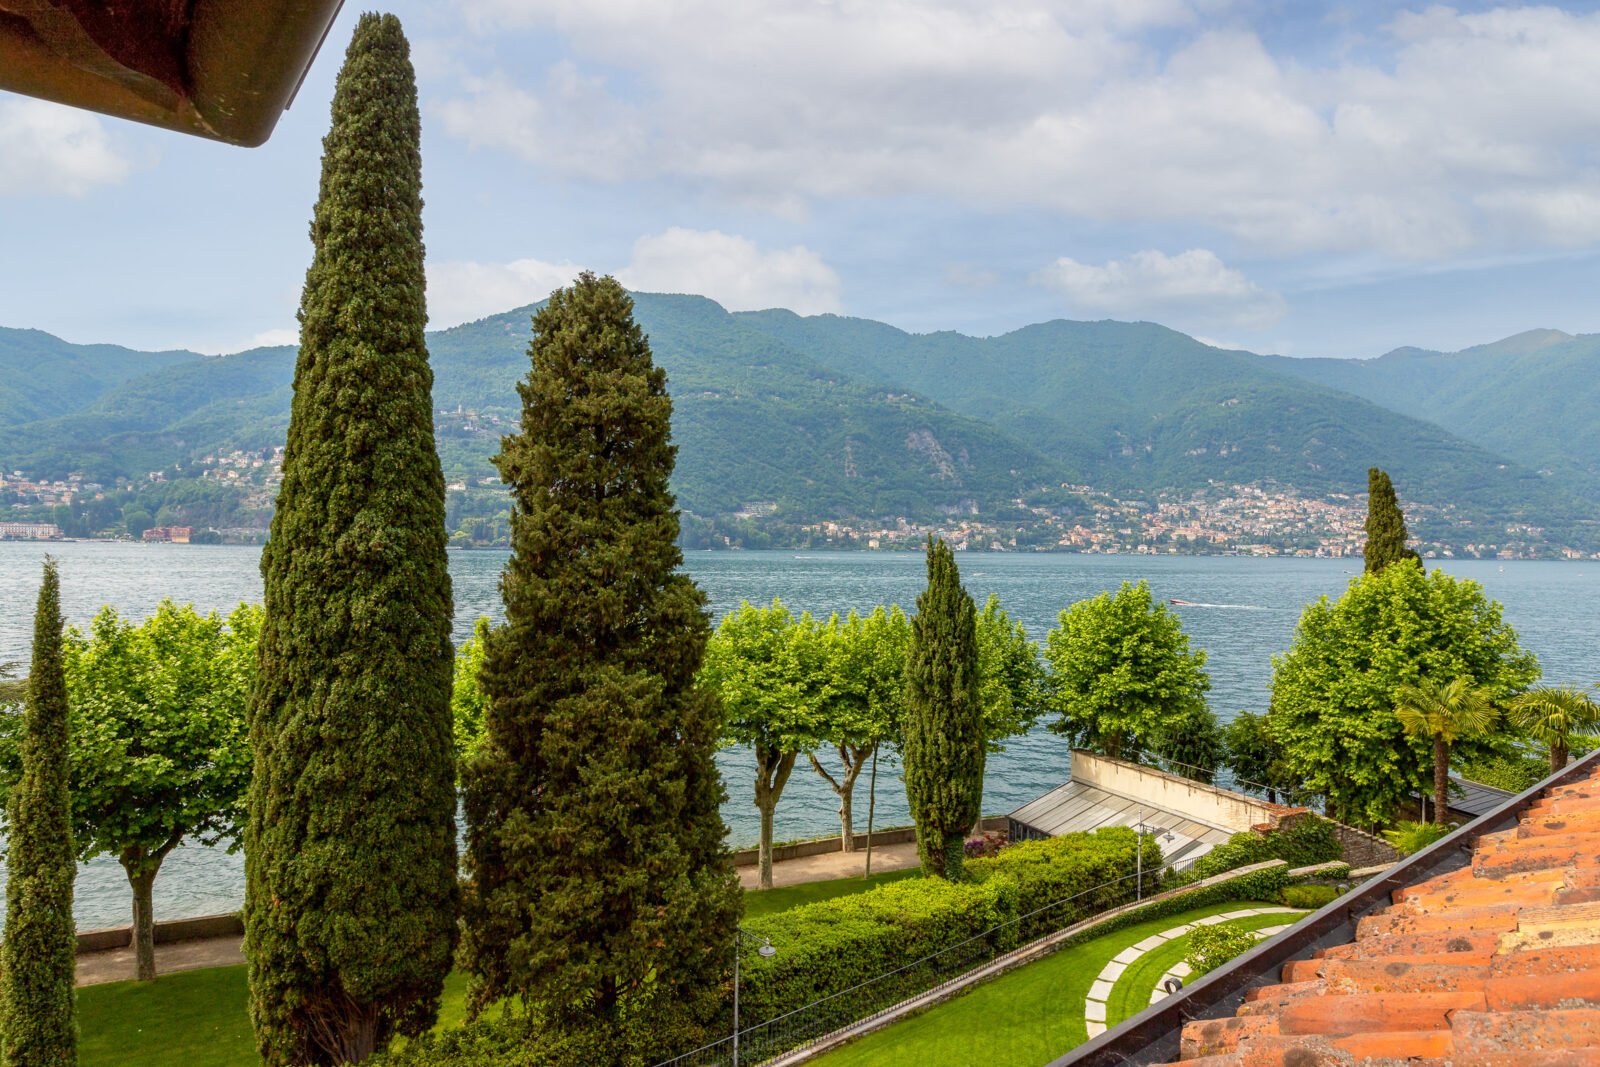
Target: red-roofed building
(1482, 951)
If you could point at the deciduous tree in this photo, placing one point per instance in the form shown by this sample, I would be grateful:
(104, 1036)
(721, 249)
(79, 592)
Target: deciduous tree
(351, 883)
(772, 697)
(944, 736)
(1334, 691)
(160, 747)
(1121, 670)
(600, 889)
(864, 683)
(37, 964)
(1013, 684)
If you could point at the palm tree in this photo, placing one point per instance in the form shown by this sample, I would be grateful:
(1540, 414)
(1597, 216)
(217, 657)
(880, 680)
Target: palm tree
(1445, 714)
(1556, 716)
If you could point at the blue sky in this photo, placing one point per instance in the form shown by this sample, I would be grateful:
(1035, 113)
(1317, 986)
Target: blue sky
(1312, 179)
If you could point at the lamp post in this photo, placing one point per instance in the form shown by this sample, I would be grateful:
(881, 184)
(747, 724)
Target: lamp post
(766, 951)
(1138, 851)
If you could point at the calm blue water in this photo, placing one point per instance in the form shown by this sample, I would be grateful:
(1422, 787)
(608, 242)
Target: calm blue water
(1245, 612)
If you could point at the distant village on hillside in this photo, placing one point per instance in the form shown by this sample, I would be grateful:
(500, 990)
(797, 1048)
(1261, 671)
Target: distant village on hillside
(1238, 520)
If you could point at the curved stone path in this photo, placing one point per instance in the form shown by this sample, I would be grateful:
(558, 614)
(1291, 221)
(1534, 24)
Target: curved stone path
(1094, 1008)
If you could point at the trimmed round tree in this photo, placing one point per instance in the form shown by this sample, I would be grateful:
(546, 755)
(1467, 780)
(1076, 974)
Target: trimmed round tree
(37, 1026)
(944, 741)
(1386, 525)
(599, 886)
(1334, 692)
(1124, 677)
(350, 862)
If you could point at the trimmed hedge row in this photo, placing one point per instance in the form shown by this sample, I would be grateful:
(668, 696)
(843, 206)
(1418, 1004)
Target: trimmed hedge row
(1304, 841)
(835, 945)
(831, 946)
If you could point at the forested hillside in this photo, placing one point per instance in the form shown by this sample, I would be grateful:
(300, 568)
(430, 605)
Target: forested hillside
(787, 421)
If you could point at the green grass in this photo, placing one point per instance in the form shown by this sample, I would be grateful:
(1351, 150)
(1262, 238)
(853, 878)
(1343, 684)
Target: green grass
(1131, 994)
(196, 1018)
(768, 901)
(201, 1018)
(1023, 1018)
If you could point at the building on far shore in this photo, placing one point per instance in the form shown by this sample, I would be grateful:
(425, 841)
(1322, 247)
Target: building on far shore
(29, 531)
(178, 535)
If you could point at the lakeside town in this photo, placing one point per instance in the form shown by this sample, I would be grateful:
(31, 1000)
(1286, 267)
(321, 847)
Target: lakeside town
(1230, 520)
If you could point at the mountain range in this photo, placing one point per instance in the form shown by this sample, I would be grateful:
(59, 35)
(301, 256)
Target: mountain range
(792, 419)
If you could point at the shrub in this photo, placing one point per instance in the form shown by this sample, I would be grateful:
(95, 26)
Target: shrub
(1514, 773)
(1308, 896)
(1409, 837)
(1069, 868)
(1300, 842)
(985, 844)
(1212, 946)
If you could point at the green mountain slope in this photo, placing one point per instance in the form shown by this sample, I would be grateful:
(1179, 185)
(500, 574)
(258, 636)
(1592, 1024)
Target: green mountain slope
(811, 419)
(1141, 407)
(1530, 397)
(43, 376)
(756, 422)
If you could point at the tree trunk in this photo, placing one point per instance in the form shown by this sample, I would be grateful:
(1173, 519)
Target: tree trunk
(1558, 756)
(1441, 779)
(853, 758)
(772, 774)
(142, 880)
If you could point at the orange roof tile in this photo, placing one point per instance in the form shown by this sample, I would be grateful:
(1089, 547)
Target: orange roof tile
(1496, 964)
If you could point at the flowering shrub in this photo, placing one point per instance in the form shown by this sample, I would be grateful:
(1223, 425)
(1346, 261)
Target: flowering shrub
(988, 843)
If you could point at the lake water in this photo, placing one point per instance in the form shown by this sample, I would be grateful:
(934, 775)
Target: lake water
(1244, 611)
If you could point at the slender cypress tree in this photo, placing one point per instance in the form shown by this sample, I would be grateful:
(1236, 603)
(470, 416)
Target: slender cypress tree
(350, 863)
(37, 1026)
(1386, 525)
(594, 843)
(944, 740)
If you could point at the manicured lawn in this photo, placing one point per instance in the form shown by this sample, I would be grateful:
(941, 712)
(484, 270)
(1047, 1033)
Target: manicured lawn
(201, 1018)
(196, 1019)
(1021, 1019)
(768, 901)
(1131, 994)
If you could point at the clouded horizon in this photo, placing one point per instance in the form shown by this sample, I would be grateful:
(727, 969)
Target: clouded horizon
(1310, 179)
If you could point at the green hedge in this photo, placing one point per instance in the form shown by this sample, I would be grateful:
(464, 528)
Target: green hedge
(1306, 840)
(1063, 879)
(834, 945)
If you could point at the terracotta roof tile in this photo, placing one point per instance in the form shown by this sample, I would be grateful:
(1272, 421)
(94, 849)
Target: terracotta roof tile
(1496, 964)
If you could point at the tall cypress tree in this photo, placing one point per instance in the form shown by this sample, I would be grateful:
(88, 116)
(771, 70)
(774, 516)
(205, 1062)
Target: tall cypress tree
(944, 740)
(351, 890)
(37, 1026)
(1386, 525)
(594, 843)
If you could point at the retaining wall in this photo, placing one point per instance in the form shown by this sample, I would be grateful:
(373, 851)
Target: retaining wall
(897, 835)
(230, 925)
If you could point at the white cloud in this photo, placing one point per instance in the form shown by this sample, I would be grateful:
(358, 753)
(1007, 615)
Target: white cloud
(463, 291)
(49, 149)
(1463, 132)
(733, 271)
(1190, 287)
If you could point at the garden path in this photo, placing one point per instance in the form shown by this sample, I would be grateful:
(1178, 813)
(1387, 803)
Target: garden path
(827, 866)
(1094, 1007)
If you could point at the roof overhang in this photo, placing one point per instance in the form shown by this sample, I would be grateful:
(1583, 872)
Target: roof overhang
(223, 69)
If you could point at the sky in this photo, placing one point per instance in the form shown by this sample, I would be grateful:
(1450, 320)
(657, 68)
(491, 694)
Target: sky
(1312, 179)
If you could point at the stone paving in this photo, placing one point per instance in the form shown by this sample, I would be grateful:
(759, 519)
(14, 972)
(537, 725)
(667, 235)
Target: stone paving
(1094, 1008)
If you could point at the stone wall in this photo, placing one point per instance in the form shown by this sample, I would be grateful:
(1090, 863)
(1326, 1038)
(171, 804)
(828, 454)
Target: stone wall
(1361, 849)
(1203, 803)
(897, 835)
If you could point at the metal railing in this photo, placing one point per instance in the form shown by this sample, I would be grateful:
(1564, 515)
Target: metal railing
(867, 1000)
